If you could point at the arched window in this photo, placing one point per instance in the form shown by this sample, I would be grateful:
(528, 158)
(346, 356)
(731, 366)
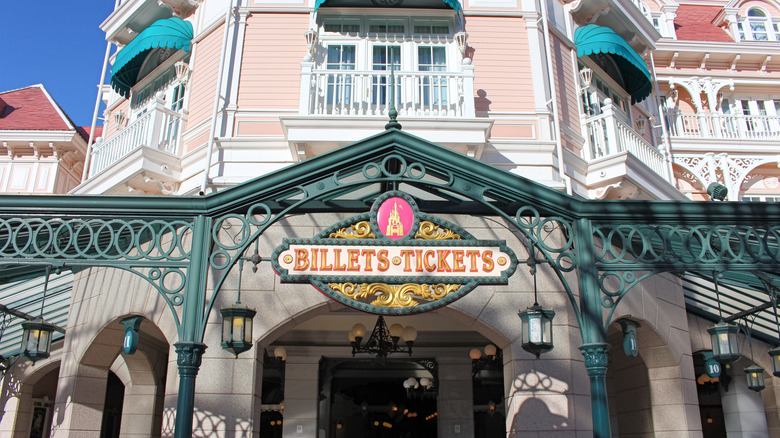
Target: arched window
(758, 26)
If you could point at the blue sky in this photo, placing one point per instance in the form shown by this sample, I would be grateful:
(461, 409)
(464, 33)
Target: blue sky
(58, 44)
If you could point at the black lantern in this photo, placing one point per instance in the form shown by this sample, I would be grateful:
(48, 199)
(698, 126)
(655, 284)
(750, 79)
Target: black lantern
(775, 353)
(536, 321)
(725, 345)
(537, 329)
(755, 377)
(237, 328)
(36, 339)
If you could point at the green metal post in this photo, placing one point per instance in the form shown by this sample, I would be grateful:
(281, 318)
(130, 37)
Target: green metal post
(594, 347)
(189, 349)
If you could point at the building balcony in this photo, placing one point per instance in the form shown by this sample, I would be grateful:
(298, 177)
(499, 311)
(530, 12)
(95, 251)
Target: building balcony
(745, 128)
(621, 162)
(435, 105)
(143, 157)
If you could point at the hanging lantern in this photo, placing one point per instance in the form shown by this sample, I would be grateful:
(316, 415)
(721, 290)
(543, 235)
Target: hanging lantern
(36, 339)
(725, 345)
(537, 329)
(775, 353)
(755, 377)
(630, 343)
(237, 328)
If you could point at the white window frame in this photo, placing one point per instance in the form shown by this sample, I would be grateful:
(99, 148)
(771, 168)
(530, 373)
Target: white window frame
(364, 41)
(745, 30)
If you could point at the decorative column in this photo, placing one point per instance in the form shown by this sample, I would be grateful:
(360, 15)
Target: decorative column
(596, 364)
(190, 348)
(594, 339)
(188, 358)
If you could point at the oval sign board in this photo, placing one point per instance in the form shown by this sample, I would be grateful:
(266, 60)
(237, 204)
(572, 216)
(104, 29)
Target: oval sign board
(713, 368)
(394, 259)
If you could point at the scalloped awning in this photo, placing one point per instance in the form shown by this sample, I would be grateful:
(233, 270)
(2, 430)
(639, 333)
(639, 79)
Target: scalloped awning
(592, 39)
(173, 33)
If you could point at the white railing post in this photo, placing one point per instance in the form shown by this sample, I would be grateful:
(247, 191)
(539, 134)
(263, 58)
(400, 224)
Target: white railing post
(613, 140)
(97, 151)
(307, 91)
(468, 90)
(155, 130)
(678, 122)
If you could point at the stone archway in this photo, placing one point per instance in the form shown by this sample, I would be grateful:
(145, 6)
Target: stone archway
(83, 384)
(30, 392)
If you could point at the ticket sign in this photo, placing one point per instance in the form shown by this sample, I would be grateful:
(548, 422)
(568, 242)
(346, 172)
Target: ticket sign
(458, 261)
(394, 259)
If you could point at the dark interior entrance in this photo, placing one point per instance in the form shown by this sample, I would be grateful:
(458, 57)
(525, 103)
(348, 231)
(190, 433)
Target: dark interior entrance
(365, 398)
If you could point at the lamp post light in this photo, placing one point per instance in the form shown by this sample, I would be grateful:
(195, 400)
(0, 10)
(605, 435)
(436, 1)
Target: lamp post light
(182, 71)
(586, 77)
(725, 345)
(755, 377)
(461, 39)
(311, 38)
(119, 119)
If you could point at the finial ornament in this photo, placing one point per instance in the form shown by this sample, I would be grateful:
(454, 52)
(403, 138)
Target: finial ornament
(393, 123)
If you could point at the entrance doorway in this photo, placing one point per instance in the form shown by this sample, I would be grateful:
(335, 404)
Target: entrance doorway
(369, 398)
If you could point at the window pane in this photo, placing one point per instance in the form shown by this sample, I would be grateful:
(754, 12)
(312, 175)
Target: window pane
(439, 57)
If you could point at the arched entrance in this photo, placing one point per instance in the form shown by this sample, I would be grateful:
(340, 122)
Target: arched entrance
(364, 396)
(118, 394)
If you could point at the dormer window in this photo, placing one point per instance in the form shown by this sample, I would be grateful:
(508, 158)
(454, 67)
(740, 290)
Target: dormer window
(758, 26)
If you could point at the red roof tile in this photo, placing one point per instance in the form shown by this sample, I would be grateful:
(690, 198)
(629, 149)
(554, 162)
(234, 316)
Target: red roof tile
(31, 109)
(694, 23)
(84, 132)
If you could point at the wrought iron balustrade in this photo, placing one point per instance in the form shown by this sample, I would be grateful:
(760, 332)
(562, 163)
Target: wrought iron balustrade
(608, 135)
(726, 126)
(159, 128)
(367, 93)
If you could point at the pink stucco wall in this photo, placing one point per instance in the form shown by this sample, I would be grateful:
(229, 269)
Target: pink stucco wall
(502, 63)
(271, 66)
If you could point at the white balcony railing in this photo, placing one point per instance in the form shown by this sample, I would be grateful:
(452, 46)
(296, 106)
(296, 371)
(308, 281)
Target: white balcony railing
(726, 126)
(608, 135)
(159, 128)
(367, 93)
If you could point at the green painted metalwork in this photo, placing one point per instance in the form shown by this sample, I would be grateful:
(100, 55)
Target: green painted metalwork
(176, 243)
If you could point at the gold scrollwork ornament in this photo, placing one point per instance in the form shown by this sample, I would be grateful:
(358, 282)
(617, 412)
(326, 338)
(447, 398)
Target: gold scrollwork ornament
(430, 231)
(360, 230)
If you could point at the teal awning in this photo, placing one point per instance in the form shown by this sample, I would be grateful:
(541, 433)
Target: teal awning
(592, 39)
(173, 33)
(454, 4)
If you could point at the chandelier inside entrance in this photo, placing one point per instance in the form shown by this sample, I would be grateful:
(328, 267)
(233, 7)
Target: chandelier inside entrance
(383, 340)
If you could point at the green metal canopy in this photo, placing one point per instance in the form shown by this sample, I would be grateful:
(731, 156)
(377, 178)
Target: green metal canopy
(454, 4)
(173, 33)
(592, 39)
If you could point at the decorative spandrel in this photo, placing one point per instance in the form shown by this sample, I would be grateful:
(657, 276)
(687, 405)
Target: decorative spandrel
(394, 259)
